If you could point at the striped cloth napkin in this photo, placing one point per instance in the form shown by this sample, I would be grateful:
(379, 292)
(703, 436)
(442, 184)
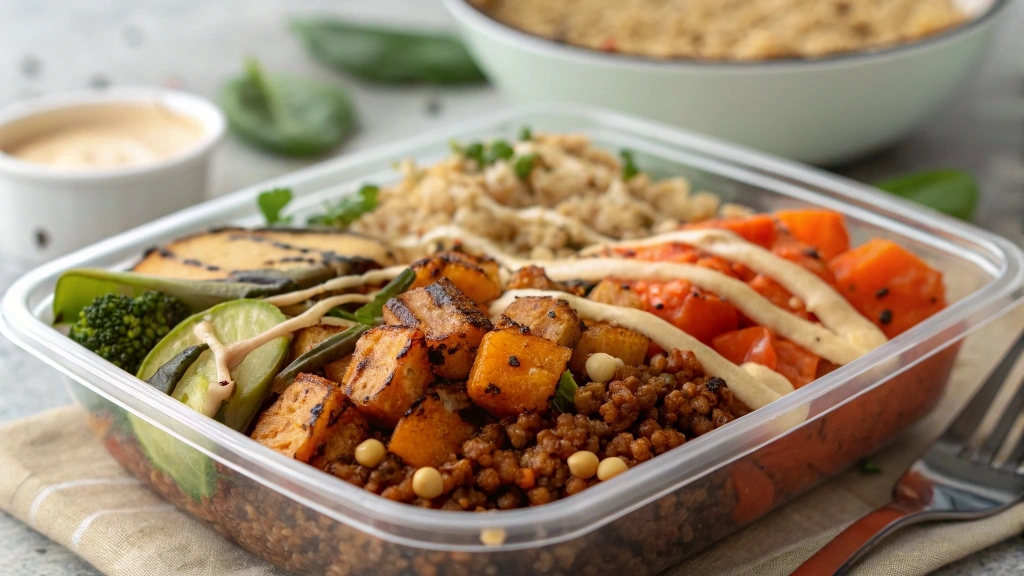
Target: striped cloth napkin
(58, 479)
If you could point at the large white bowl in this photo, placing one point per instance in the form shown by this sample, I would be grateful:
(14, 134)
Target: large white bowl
(820, 111)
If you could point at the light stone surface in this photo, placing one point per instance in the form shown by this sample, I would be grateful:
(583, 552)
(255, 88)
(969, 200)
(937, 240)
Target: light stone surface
(57, 45)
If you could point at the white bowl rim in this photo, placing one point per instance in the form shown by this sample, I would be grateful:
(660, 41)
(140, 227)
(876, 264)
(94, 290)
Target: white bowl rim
(194, 106)
(463, 12)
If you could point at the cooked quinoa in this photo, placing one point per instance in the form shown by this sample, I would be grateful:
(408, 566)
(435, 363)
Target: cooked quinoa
(728, 29)
(574, 181)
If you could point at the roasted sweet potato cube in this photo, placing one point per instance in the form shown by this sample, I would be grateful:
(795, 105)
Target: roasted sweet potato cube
(344, 432)
(429, 433)
(623, 343)
(451, 322)
(306, 338)
(548, 317)
(299, 423)
(515, 372)
(475, 277)
(389, 371)
(615, 293)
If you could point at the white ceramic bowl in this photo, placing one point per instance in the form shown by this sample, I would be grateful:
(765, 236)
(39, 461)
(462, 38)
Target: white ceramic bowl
(46, 212)
(820, 111)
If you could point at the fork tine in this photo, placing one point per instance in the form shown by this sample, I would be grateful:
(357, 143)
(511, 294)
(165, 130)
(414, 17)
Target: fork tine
(961, 430)
(995, 439)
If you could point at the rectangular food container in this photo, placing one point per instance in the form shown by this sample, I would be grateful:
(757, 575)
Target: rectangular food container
(643, 521)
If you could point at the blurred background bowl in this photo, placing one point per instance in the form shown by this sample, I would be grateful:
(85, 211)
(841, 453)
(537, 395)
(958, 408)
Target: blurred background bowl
(823, 111)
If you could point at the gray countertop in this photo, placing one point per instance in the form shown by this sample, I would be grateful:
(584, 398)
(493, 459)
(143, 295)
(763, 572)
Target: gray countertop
(191, 44)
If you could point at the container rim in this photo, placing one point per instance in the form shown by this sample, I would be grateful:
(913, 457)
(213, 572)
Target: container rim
(471, 16)
(599, 505)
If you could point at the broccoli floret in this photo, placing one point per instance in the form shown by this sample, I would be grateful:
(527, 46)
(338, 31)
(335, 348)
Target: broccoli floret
(123, 330)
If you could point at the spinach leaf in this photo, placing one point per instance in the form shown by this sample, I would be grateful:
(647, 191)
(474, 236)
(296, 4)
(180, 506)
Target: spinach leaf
(272, 202)
(952, 192)
(371, 312)
(289, 116)
(348, 208)
(629, 168)
(565, 393)
(382, 54)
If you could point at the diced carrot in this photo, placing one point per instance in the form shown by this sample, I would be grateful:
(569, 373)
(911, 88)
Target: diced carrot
(824, 230)
(796, 363)
(803, 254)
(886, 283)
(755, 492)
(747, 345)
(699, 314)
(778, 295)
(760, 345)
(668, 252)
(759, 228)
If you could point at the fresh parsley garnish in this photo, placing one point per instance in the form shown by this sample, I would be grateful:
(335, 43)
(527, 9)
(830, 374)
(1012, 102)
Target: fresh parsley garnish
(347, 209)
(524, 165)
(629, 168)
(272, 202)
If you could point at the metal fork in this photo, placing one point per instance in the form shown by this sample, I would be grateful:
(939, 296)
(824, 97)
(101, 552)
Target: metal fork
(956, 479)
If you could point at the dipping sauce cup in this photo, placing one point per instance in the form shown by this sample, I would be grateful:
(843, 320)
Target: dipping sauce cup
(82, 166)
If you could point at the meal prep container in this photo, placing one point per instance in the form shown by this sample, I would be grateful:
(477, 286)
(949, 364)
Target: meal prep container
(644, 520)
(824, 110)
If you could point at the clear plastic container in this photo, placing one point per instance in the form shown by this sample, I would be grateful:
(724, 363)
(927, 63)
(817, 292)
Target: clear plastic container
(643, 521)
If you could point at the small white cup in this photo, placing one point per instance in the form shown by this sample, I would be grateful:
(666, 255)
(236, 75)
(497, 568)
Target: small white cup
(46, 212)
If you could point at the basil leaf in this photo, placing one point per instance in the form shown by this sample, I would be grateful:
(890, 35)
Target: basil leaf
(289, 116)
(371, 312)
(499, 150)
(525, 133)
(347, 209)
(952, 192)
(381, 54)
(565, 393)
(629, 168)
(524, 165)
(272, 202)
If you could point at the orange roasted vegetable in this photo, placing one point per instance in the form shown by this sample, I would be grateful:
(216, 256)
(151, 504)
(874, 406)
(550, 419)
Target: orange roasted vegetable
(700, 314)
(824, 230)
(759, 228)
(760, 345)
(889, 285)
(429, 433)
(515, 372)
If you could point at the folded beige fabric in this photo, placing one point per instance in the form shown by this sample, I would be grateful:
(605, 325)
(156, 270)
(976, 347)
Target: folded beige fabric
(58, 479)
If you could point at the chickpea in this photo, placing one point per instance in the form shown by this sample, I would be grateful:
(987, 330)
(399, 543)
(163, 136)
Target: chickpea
(611, 467)
(601, 367)
(370, 453)
(492, 536)
(427, 483)
(583, 464)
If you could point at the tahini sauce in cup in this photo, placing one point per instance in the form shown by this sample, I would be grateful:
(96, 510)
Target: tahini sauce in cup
(79, 167)
(110, 136)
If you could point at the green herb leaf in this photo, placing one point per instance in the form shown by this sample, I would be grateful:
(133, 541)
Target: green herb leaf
(565, 393)
(629, 168)
(868, 467)
(499, 150)
(952, 192)
(289, 116)
(524, 165)
(371, 312)
(347, 209)
(382, 54)
(525, 133)
(272, 202)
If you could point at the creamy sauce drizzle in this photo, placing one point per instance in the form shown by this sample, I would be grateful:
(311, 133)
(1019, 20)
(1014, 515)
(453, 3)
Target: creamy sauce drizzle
(339, 283)
(811, 336)
(219, 391)
(834, 312)
(754, 392)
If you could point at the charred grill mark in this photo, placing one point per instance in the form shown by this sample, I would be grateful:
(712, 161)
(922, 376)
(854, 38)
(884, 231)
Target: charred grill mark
(436, 356)
(492, 389)
(315, 412)
(445, 294)
(405, 316)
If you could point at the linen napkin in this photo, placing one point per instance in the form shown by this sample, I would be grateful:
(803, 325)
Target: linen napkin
(56, 477)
